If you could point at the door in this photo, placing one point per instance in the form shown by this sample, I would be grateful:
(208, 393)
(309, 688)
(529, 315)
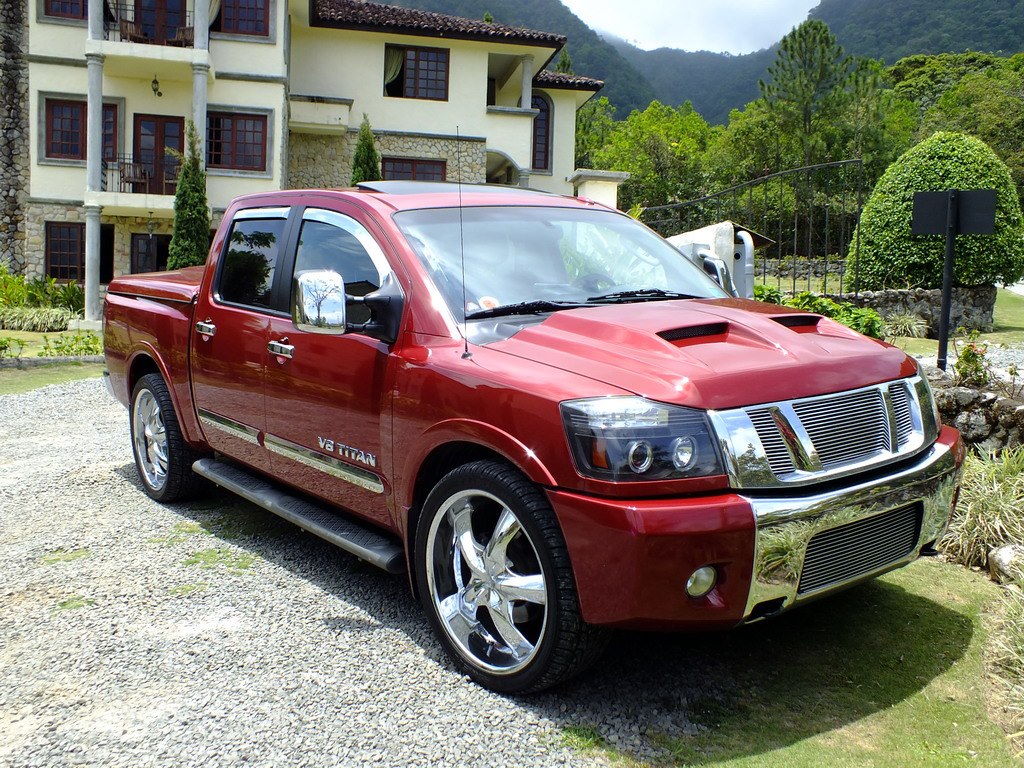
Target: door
(154, 136)
(230, 335)
(325, 395)
(160, 19)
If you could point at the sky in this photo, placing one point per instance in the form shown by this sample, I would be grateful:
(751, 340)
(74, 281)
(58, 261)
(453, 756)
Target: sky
(729, 26)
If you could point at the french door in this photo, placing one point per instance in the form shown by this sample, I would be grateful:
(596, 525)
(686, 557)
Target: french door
(160, 19)
(155, 135)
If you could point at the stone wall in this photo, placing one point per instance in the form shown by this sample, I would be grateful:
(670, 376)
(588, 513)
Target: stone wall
(971, 309)
(14, 131)
(318, 161)
(988, 422)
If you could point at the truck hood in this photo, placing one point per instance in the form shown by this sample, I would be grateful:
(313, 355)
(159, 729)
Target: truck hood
(710, 353)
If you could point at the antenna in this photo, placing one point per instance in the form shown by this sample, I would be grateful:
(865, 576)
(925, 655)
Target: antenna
(466, 354)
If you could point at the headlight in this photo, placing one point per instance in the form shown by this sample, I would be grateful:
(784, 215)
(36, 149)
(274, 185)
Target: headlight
(629, 438)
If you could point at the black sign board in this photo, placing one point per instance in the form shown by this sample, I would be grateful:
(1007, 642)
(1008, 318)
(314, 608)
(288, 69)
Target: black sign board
(951, 213)
(976, 212)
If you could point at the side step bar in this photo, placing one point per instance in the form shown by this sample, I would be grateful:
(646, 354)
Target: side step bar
(366, 544)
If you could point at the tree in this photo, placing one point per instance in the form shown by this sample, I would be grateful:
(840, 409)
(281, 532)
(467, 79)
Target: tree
(365, 159)
(488, 18)
(890, 257)
(661, 148)
(595, 121)
(191, 239)
(806, 86)
(564, 64)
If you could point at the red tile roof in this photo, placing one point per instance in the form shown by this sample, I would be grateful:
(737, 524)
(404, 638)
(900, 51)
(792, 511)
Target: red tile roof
(376, 17)
(548, 79)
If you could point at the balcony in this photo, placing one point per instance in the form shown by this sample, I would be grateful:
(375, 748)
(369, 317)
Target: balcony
(141, 176)
(151, 24)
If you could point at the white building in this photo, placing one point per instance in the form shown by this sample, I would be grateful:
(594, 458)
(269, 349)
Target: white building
(277, 91)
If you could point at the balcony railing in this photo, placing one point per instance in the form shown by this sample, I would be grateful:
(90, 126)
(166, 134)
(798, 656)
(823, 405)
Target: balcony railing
(141, 175)
(151, 24)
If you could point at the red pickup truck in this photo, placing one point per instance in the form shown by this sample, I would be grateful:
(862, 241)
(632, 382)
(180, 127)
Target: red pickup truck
(534, 405)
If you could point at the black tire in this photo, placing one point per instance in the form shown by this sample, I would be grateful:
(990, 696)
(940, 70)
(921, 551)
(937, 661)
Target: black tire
(162, 457)
(482, 594)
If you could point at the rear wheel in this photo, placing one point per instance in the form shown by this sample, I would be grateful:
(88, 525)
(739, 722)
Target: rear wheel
(162, 457)
(495, 580)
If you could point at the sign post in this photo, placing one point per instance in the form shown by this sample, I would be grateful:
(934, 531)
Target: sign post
(951, 213)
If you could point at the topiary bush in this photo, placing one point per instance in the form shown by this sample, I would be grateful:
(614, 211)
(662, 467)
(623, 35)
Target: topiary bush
(891, 257)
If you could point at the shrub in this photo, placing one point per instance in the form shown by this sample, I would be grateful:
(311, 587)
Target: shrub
(768, 294)
(860, 319)
(890, 257)
(906, 325)
(11, 347)
(40, 319)
(191, 239)
(72, 345)
(13, 291)
(365, 159)
(991, 508)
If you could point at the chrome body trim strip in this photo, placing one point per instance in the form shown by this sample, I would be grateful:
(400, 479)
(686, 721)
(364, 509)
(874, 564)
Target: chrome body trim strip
(229, 427)
(784, 526)
(357, 476)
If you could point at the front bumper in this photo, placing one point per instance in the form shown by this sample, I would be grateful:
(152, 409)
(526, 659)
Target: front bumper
(631, 559)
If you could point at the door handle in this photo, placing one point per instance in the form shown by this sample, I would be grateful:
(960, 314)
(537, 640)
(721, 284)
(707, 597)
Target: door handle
(281, 348)
(206, 329)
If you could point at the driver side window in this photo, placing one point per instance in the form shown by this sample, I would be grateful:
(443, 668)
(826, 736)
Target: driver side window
(329, 240)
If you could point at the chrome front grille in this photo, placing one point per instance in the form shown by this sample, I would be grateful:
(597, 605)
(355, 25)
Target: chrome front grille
(856, 549)
(798, 442)
(846, 428)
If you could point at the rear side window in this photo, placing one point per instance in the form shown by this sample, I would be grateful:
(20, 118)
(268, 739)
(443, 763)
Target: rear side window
(254, 250)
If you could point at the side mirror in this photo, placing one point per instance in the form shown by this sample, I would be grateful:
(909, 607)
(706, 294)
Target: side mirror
(386, 304)
(318, 301)
(719, 272)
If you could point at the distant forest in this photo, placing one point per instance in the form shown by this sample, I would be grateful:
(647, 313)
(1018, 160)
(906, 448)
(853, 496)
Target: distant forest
(716, 83)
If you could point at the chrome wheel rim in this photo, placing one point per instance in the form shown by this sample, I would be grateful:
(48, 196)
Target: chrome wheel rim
(486, 582)
(150, 438)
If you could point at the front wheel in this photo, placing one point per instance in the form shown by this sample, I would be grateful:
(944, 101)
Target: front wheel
(495, 580)
(162, 457)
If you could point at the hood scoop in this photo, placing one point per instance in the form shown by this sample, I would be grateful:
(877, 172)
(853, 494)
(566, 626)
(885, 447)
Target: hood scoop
(805, 322)
(691, 332)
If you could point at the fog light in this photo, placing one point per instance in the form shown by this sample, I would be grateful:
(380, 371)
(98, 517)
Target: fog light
(684, 451)
(640, 456)
(701, 581)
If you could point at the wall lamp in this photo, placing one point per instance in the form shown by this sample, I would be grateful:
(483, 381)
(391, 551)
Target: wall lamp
(155, 85)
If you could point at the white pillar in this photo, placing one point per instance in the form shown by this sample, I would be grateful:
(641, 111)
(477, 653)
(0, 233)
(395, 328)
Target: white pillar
(96, 20)
(201, 24)
(93, 178)
(199, 83)
(527, 100)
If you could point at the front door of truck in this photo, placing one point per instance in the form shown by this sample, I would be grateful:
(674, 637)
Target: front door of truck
(230, 334)
(325, 392)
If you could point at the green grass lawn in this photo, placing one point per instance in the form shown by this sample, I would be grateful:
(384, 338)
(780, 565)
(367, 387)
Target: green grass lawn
(15, 380)
(887, 674)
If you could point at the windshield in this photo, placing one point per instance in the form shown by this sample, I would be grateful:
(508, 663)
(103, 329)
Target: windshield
(530, 260)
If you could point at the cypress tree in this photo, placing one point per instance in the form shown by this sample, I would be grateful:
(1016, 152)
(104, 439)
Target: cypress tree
(191, 239)
(564, 65)
(366, 159)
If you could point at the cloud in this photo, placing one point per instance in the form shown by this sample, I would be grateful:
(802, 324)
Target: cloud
(733, 26)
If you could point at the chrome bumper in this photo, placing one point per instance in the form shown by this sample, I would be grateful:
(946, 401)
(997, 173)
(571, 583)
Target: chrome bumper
(786, 525)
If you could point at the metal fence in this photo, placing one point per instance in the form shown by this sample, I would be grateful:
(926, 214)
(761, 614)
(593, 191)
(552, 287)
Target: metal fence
(810, 213)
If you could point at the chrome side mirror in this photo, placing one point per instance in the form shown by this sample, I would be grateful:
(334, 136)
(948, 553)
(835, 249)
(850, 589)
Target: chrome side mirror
(318, 301)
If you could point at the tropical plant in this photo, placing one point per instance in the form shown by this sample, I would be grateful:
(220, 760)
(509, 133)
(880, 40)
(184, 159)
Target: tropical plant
(891, 257)
(191, 239)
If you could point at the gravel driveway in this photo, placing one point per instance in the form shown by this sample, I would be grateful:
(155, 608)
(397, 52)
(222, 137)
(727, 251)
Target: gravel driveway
(214, 634)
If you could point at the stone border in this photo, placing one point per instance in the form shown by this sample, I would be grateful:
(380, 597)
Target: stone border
(35, 362)
(988, 422)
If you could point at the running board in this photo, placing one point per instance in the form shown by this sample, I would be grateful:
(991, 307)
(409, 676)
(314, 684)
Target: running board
(366, 544)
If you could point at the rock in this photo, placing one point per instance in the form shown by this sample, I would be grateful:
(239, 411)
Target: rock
(973, 426)
(1006, 563)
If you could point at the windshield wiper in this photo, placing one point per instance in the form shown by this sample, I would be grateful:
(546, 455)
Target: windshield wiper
(643, 294)
(523, 308)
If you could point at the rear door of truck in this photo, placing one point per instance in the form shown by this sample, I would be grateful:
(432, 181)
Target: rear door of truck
(231, 332)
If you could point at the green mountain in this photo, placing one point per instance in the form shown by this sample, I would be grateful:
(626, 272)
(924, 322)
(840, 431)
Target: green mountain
(592, 56)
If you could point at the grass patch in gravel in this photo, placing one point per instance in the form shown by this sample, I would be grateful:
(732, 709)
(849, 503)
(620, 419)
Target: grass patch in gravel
(180, 532)
(183, 590)
(888, 675)
(582, 738)
(74, 602)
(218, 557)
(14, 381)
(64, 556)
